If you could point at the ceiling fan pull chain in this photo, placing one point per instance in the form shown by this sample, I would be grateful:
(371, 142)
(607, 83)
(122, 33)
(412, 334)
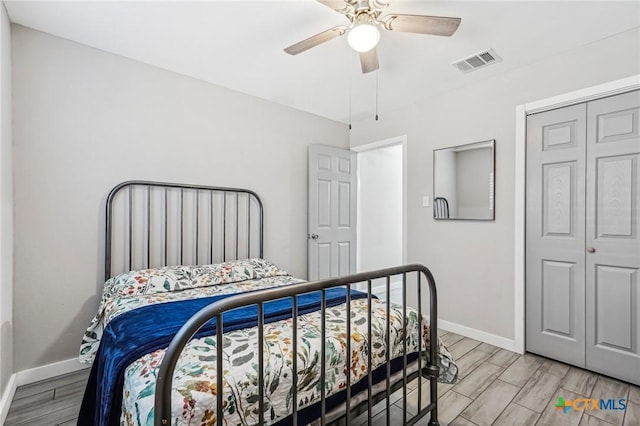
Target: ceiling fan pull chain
(377, 90)
(350, 72)
(349, 101)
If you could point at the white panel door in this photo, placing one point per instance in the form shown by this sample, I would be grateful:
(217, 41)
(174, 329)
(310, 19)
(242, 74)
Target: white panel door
(332, 212)
(612, 240)
(583, 242)
(555, 292)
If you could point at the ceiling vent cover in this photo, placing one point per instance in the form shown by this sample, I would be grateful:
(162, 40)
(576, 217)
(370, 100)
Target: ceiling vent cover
(477, 61)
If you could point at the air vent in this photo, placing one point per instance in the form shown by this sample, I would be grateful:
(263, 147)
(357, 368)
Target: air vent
(479, 60)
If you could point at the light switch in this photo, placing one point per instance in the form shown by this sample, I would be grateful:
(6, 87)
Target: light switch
(425, 201)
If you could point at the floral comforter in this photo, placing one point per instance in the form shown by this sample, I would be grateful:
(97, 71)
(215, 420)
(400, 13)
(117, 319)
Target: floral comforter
(194, 383)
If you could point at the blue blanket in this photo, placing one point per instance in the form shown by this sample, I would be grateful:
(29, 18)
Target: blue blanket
(133, 334)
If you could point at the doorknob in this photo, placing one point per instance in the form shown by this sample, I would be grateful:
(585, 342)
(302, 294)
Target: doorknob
(313, 236)
(591, 250)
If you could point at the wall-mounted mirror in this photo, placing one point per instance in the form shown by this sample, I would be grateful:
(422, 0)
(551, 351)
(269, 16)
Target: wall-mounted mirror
(463, 182)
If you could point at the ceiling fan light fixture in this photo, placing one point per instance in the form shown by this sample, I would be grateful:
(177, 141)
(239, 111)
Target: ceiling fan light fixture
(363, 37)
(366, 17)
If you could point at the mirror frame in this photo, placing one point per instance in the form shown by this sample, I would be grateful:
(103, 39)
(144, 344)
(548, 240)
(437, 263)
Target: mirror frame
(493, 183)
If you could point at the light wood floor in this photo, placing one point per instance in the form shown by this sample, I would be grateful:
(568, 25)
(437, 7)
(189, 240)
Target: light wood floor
(496, 387)
(50, 402)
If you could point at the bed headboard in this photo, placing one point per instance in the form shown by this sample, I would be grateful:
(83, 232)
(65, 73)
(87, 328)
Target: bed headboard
(153, 224)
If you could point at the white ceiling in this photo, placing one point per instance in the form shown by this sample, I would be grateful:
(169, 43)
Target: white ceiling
(238, 44)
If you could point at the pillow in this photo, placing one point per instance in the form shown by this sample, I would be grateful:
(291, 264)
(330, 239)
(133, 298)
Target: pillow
(172, 278)
(148, 281)
(233, 272)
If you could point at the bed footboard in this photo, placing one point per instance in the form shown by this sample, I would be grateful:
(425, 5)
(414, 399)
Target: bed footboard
(351, 408)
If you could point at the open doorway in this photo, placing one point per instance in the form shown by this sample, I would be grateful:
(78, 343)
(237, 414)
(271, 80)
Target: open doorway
(381, 219)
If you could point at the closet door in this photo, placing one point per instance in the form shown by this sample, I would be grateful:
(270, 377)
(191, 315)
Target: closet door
(555, 234)
(612, 240)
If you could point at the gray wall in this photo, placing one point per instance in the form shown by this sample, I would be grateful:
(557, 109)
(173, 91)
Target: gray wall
(6, 205)
(85, 120)
(473, 262)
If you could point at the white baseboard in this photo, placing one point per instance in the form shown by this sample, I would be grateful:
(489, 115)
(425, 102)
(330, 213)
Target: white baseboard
(7, 397)
(483, 336)
(48, 371)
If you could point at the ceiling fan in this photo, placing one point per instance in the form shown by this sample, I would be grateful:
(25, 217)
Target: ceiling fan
(363, 33)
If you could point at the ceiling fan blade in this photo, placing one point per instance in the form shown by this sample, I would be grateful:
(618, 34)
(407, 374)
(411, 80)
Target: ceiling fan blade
(369, 60)
(315, 40)
(338, 5)
(421, 24)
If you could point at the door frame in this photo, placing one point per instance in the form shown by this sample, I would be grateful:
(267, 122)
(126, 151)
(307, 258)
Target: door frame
(397, 140)
(583, 95)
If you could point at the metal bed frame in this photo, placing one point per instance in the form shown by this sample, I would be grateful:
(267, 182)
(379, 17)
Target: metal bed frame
(127, 191)
(128, 195)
